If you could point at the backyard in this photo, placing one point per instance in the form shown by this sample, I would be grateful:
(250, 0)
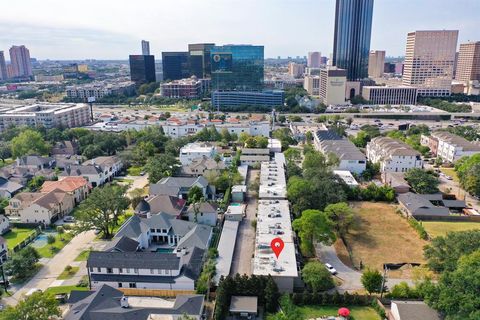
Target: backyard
(50, 249)
(441, 228)
(16, 236)
(382, 236)
(357, 313)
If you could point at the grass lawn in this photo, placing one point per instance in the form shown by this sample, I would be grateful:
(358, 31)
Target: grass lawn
(134, 171)
(450, 172)
(68, 274)
(123, 181)
(6, 162)
(65, 289)
(83, 256)
(358, 313)
(437, 228)
(50, 250)
(383, 236)
(17, 235)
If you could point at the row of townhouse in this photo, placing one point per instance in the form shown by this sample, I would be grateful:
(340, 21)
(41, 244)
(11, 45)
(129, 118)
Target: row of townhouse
(393, 155)
(448, 146)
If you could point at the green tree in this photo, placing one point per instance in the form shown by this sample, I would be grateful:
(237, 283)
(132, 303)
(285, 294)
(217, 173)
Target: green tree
(102, 208)
(194, 194)
(372, 280)
(5, 150)
(136, 196)
(317, 277)
(92, 151)
(313, 226)
(423, 182)
(36, 183)
(251, 142)
(160, 166)
(29, 142)
(271, 295)
(342, 216)
(468, 170)
(38, 306)
(456, 294)
(21, 265)
(293, 154)
(443, 252)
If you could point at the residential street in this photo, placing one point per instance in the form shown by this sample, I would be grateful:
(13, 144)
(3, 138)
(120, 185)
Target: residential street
(53, 267)
(244, 247)
(350, 278)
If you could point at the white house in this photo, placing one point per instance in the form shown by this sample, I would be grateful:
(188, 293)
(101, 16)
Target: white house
(452, 147)
(393, 155)
(196, 150)
(203, 213)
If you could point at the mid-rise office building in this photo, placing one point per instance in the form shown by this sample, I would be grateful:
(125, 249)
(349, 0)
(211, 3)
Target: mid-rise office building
(390, 95)
(314, 59)
(296, 70)
(429, 61)
(48, 115)
(351, 45)
(376, 64)
(273, 98)
(175, 65)
(311, 83)
(468, 65)
(332, 85)
(3, 67)
(199, 59)
(237, 67)
(145, 48)
(20, 61)
(190, 88)
(142, 69)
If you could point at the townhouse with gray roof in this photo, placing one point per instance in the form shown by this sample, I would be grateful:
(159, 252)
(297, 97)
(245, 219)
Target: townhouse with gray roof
(110, 303)
(393, 155)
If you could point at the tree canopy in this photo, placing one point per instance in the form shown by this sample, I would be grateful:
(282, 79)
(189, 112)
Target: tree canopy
(317, 277)
(372, 280)
(423, 182)
(29, 142)
(38, 306)
(313, 226)
(160, 166)
(468, 170)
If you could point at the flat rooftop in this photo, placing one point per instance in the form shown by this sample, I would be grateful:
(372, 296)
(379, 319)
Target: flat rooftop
(225, 248)
(273, 184)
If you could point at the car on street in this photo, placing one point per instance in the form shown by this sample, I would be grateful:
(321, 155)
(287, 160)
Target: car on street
(331, 269)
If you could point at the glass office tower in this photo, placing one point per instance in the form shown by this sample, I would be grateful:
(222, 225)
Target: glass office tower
(353, 28)
(237, 67)
(142, 69)
(199, 59)
(175, 65)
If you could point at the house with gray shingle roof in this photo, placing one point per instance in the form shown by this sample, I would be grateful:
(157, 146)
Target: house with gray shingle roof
(179, 187)
(108, 303)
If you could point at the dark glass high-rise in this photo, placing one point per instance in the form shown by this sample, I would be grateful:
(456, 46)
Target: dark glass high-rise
(175, 65)
(237, 67)
(353, 29)
(142, 69)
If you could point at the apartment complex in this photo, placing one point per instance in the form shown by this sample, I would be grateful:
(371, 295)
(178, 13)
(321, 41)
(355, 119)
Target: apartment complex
(20, 61)
(376, 64)
(429, 61)
(449, 147)
(393, 155)
(296, 70)
(3, 67)
(468, 64)
(48, 115)
(350, 157)
(390, 95)
(190, 88)
(100, 89)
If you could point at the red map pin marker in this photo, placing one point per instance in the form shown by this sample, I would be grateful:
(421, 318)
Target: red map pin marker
(277, 245)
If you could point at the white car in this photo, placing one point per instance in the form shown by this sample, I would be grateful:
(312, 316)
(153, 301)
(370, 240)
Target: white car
(331, 269)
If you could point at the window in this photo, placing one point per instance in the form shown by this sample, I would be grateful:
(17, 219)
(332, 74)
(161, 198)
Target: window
(135, 270)
(91, 269)
(120, 285)
(132, 285)
(109, 270)
(167, 271)
(99, 269)
(127, 270)
(120, 270)
(152, 271)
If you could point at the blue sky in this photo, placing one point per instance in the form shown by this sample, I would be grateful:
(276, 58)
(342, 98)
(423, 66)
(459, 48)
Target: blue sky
(108, 29)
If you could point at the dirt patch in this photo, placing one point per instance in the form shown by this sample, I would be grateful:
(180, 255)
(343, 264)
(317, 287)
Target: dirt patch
(382, 236)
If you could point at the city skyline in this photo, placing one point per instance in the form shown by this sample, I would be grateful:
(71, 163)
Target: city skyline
(69, 35)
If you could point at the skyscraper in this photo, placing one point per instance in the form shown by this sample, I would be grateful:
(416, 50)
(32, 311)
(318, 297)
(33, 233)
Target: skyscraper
(142, 69)
(20, 60)
(351, 44)
(314, 59)
(145, 48)
(175, 65)
(468, 65)
(199, 59)
(237, 67)
(429, 61)
(3, 67)
(376, 63)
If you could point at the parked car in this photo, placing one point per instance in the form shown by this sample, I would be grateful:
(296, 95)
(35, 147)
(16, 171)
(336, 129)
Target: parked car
(68, 219)
(331, 269)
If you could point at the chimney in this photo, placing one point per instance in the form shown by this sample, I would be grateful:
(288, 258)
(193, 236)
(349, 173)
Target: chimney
(124, 302)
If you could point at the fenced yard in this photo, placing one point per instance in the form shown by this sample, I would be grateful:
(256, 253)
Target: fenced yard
(441, 228)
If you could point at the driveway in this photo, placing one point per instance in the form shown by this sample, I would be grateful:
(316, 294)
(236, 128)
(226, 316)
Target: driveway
(244, 246)
(52, 268)
(351, 279)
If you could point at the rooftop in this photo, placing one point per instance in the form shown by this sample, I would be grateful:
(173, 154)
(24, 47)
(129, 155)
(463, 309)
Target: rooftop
(329, 142)
(273, 184)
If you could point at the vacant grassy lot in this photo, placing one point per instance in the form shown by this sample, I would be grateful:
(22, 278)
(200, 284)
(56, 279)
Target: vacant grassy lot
(68, 273)
(65, 289)
(450, 172)
(437, 228)
(382, 236)
(17, 235)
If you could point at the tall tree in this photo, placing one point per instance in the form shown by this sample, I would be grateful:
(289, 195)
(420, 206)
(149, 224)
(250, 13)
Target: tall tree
(372, 280)
(38, 306)
(29, 142)
(317, 277)
(342, 216)
(423, 182)
(5, 150)
(21, 265)
(101, 209)
(313, 226)
(160, 166)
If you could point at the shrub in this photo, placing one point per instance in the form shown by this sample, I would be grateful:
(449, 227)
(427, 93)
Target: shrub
(60, 230)
(50, 239)
(419, 228)
(68, 268)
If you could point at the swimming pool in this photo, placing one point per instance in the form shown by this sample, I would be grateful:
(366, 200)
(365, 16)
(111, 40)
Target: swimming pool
(164, 250)
(41, 240)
